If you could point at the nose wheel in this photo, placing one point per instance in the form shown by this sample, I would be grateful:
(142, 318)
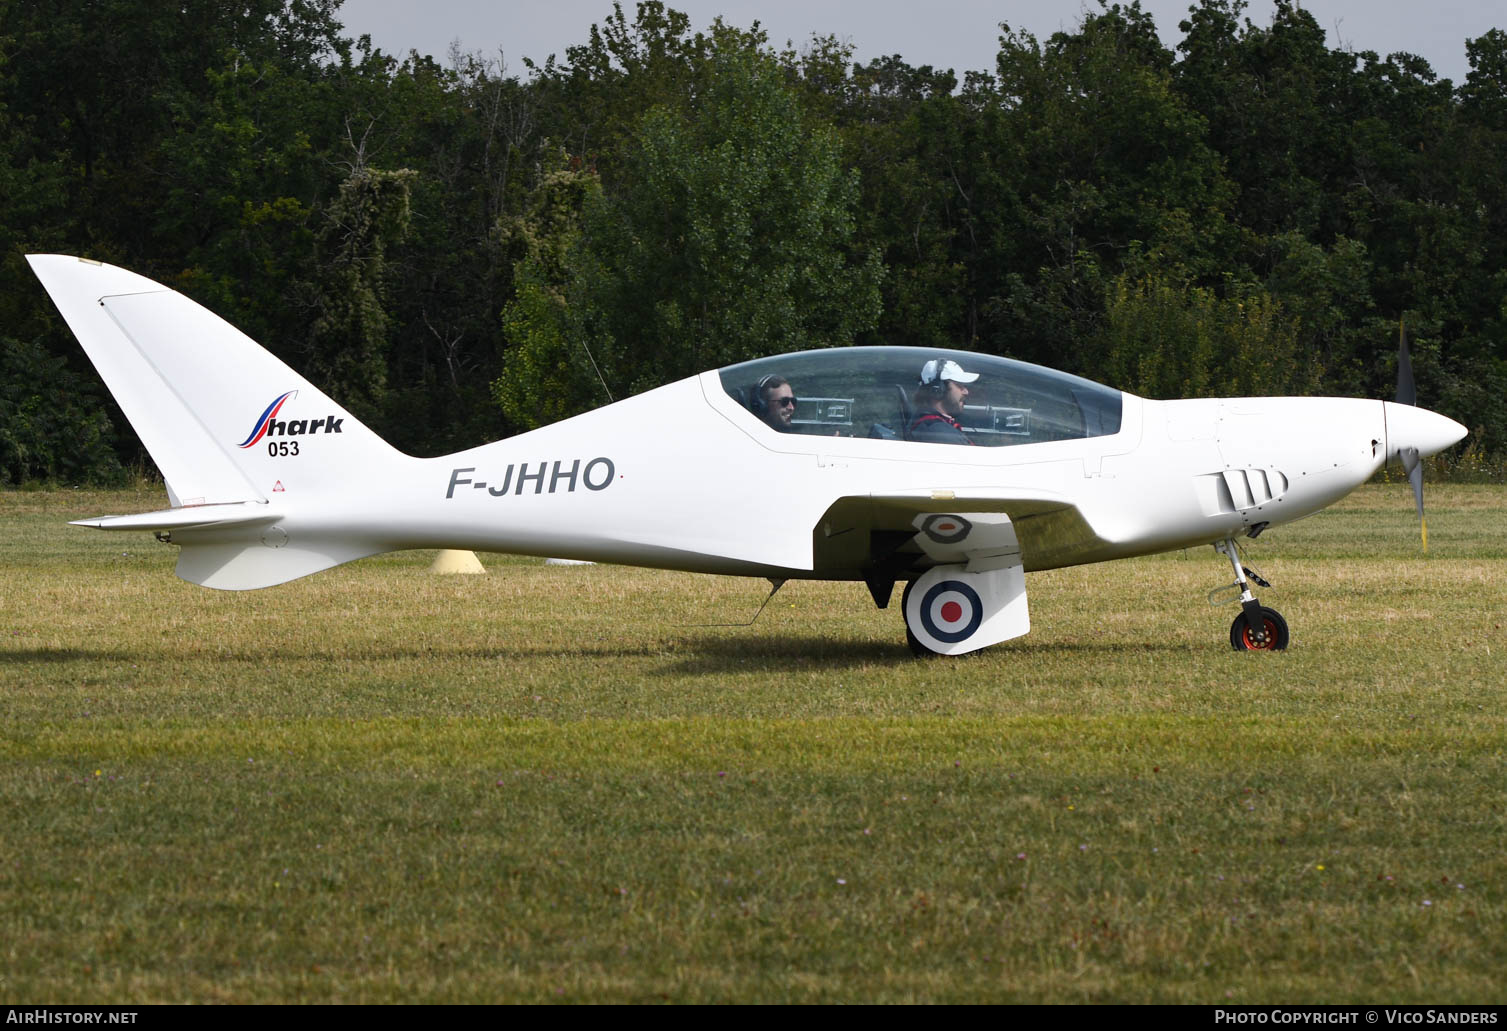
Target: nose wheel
(1266, 632)
(1257, 628)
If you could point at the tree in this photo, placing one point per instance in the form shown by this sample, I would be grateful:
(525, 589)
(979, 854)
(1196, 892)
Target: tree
(1279, 105)
(349, 334)
(548, 374)
(1094, 165)
(732, 236)
(595, 101)
(118, 78)
(1167, 340)
(52, 426)
(910, 139)
(470, 132)
(97, 98)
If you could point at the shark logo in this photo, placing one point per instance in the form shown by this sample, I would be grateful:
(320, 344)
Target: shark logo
(268, 425)
(260, 429)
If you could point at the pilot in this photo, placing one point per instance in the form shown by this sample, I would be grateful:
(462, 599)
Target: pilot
(774, 402)
(939, 402)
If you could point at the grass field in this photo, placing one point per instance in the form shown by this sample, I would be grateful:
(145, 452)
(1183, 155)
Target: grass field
(556, 784)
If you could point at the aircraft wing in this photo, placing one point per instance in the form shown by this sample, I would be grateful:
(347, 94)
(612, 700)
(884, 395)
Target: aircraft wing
(880, 530)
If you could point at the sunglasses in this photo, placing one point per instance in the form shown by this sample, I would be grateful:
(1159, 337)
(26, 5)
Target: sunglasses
(782, 401)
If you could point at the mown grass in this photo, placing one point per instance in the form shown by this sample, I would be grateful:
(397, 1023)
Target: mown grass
(556, 784)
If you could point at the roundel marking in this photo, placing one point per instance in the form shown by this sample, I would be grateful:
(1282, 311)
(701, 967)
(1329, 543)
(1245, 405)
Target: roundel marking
(946, 529)
(951, 611)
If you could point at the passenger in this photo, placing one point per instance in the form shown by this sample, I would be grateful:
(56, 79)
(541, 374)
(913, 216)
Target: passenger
(939, 402)
(774, 401)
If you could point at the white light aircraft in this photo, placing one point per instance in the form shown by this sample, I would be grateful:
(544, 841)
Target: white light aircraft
(955, 473)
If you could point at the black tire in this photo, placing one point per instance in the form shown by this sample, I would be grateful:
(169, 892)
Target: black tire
(917, 649)
(1274, 639)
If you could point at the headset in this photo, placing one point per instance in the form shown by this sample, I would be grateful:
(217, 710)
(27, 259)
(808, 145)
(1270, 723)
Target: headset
(937, 387)
(756, 402)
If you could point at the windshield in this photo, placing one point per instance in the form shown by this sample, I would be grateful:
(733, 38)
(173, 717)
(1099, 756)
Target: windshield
(877, 392)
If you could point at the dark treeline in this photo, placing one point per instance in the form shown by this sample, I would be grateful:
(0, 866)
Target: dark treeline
(441, 244)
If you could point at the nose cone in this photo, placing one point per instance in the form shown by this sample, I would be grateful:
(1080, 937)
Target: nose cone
(1428, 432)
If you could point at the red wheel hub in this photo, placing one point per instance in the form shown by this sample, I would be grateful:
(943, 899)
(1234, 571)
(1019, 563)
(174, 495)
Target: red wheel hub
(1266, 642)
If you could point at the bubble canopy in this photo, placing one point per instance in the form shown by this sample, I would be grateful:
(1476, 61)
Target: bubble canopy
(876, 392)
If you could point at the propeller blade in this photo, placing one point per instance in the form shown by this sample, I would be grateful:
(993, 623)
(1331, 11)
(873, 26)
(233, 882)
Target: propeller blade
(1412, 464)
(1412, 461)
(1407, 393)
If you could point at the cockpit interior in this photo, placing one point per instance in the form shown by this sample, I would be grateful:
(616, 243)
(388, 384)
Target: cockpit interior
(877, 392)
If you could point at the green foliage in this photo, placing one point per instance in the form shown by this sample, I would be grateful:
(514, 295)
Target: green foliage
(909, 138)
(471, 133)
(732, 239)
(1483, 95)
(1098, 166)
(548, 372)
(735, 239)
(349, 334)
(1169, 340)
(1326, 292)
(53, 427)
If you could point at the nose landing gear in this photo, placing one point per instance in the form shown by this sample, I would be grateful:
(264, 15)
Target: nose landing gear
(1257, 628)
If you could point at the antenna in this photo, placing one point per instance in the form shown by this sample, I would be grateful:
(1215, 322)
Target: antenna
(587, 348)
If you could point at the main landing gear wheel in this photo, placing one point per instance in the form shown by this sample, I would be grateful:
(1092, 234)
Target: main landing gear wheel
(952, 611)
(917, 649)
(1270, 636)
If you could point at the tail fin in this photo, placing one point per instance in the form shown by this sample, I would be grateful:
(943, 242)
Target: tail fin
(227, 423)
(212, 407)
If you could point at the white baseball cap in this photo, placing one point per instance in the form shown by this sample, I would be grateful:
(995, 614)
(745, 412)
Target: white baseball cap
(938, 370)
